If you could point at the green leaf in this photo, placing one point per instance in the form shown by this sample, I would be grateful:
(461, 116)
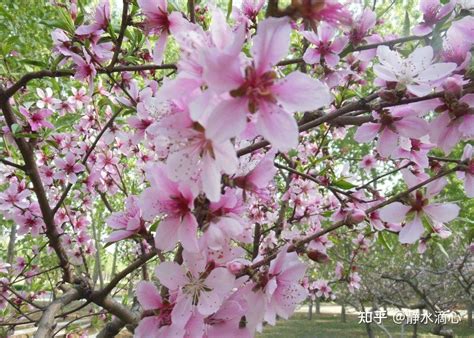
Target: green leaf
(173, 5)
(229, 8)
(343, 184)
(15, 128)
(442, 249)
(383, 240)
(34, 63)
(326, 213)
(154, 226)
(406, 24)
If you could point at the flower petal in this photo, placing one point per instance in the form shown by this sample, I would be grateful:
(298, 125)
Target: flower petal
(299, 92)
(394, 213)
(271, 43)
(442, 212)
(171, 275)
(411, 232)
(166, 235)
(148, 295)
(278, 127)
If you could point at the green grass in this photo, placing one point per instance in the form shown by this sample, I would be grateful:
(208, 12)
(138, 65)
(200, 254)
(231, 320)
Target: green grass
(330, 326)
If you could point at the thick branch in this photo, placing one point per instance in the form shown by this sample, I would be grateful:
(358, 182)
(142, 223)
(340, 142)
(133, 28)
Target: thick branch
(117, 309)
(47, 322)
(33, 173)
(111, 329)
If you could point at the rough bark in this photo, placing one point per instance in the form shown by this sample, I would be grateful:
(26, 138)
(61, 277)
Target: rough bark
(47, 323)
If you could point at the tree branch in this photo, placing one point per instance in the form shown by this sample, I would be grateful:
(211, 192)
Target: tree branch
(123, 28)
(112, 328)
(86, 157)
(33, 173)
(46, 324)
(117, 309)
(341, 223)
(70, 72)
(119, 276)
(12, 164)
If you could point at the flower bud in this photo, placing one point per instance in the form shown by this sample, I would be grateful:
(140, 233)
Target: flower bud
(317, 256)
(356, 216)
(235, 267)
(453, 86)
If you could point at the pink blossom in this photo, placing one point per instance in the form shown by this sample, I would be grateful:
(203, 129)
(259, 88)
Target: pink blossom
(69, 168)
(413, 149)
(79, 97)
(159, 21)
(422, 246)
(361, 25)
(102, 19)
(389, 125)
(4, 267)
(322, 289)
(375, 221)
(456, 121)
(61, 42)
(354, 281)
(412, 214)
(29, 222)
(85, 70)
(256, 90)
(248, 13)
(37, 119)
(47, 174)
(325, 45)
(329, 11)
(201, 287)
(126, 223)
(19, 265)
(46, 98)
(415, 73)
(461, 31)
(277, 292)
(339, 270)
(107, 161)
(14, 196)
(226, 321)
(161, 322)
(455, 49)
(141, 121)
(258, 179)
(368, 162)
(176, 201)
(198, 155)
(224, 221)
(433, 11)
